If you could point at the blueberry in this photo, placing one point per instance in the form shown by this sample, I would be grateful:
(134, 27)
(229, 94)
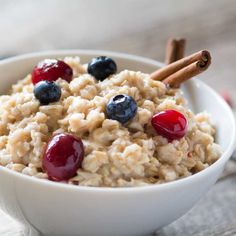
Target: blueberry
(121, 108)
(101, 67)
(47, 92)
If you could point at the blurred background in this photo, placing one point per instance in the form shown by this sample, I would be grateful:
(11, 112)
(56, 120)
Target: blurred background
(138, 27)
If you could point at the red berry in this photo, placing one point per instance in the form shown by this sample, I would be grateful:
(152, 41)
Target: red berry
(63, 156)
(226, 96)
(170, 124)
(51, 70)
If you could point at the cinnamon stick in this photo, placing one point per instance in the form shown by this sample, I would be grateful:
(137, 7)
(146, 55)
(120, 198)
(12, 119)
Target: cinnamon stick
(177, 72)
(175, 50)
(182, 75)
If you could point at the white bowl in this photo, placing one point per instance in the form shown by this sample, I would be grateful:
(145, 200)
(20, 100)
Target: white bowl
(59, 209)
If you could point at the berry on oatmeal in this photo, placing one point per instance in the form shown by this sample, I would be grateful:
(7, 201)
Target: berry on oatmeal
(63, 156)
(102, 67)
(121, 108)
(51, 70)
(170, 124)
(47, 92)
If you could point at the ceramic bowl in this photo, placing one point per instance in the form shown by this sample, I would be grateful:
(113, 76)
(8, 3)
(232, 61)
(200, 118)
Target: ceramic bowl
(50, 208)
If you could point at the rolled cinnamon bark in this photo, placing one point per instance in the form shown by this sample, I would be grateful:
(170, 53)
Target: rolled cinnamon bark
(177, 72)
(175, 50)
(184, 74)
(181, 49)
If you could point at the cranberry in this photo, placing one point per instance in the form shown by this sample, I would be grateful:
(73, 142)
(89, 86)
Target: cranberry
(63, 156)
(226, 96)
(51, 70)
(170, 124)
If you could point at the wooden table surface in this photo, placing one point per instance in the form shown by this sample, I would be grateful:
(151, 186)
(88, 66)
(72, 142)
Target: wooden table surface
(138, 27)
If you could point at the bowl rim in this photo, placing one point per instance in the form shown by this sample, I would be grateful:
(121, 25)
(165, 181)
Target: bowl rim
(63, 186)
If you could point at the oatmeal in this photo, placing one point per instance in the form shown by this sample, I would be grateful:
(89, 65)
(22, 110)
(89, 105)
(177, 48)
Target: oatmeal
(102, 128)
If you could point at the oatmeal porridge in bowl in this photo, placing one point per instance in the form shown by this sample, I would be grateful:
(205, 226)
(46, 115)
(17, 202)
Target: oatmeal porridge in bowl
(122, 155)
(89, 125)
